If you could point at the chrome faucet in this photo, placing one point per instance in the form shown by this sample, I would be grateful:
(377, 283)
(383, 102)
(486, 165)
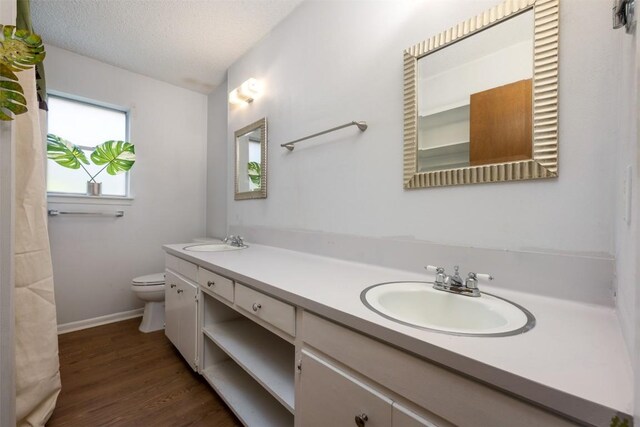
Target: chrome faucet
(455, 280)
(235, 241)
(454, 284)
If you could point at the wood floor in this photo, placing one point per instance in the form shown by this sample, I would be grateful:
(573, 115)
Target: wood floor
(114, 375)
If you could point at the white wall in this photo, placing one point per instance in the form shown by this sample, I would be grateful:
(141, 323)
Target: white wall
(94, 259)
(332, 62)
(217, 161)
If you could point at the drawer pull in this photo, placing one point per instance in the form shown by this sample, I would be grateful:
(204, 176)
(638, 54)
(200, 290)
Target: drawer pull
(361, 419)
(256, 306)
(180, 291)
(210, 283)
(173, 286)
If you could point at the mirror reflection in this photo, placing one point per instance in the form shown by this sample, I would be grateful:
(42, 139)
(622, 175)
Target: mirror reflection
(251, 161)
(475, 98)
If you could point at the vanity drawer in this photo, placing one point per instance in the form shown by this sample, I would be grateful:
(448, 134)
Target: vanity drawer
(272, 311)
(216, 283)
(180, 266)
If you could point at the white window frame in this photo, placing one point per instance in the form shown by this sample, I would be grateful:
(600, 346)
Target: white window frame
(62, 197)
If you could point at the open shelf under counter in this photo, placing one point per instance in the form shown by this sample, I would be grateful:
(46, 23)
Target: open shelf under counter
(251, 403)
(267, 358)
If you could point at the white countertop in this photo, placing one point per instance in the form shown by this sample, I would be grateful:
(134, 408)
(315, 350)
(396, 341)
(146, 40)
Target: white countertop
(574, 360)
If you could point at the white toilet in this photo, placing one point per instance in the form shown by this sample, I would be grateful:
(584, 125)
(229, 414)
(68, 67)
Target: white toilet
(150, 289)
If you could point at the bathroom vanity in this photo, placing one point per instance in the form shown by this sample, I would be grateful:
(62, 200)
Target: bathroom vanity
(284, 339)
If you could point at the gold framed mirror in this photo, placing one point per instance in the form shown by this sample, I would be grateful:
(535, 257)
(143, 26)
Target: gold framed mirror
(251, 161)
(481, 99)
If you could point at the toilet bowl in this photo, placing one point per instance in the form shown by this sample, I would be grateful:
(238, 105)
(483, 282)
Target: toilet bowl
(150, 289)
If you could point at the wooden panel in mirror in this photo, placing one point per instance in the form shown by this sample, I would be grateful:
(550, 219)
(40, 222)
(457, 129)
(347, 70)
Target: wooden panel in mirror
(500, 125)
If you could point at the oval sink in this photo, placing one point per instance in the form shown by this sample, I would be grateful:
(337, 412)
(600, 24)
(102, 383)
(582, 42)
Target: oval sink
(417, 304)
(212, 247)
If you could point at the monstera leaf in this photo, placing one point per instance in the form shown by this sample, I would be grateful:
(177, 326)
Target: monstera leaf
(19, 50)
(253, 170)
(65, 153)
(12, 99)
(117, 156)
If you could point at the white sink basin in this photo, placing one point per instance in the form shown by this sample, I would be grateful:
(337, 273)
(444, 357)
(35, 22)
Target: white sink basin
(417, 304)
(212, 247)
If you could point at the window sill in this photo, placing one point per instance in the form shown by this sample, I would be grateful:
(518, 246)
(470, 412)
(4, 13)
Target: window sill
(81, 199)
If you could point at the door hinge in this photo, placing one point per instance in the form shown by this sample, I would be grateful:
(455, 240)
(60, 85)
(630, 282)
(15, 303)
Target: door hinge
(299, 366)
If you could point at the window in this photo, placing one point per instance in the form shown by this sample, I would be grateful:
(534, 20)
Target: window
(85, 125)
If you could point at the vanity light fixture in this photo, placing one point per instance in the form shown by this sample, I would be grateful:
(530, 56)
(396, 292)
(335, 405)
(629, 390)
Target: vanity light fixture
(245, 93)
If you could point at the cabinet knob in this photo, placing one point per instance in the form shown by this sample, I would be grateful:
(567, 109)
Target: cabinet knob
(361, 419)
(256, 306)
(180, 291)
(173, 286)
(210, 283)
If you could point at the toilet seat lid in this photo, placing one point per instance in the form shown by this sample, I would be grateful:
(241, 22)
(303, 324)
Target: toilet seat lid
(149, 279)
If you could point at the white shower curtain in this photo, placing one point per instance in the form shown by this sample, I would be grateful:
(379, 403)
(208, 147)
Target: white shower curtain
(37, 366)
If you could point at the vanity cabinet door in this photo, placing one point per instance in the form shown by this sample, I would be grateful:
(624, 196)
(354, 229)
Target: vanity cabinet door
(188, 322)
(181, 315)
(172, 308)
(328, 396)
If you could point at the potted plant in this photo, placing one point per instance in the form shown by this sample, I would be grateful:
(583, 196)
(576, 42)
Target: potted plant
(116, 156)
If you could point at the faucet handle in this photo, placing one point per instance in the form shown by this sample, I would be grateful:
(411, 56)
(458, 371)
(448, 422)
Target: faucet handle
(474, 278)
(440, 276)
(434, 269)
(483, 276)
(471, 283)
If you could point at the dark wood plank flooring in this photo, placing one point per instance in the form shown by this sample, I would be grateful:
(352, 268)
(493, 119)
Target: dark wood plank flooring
(114, 375)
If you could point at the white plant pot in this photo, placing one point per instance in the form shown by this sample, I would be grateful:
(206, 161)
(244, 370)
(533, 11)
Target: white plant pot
(94, 188)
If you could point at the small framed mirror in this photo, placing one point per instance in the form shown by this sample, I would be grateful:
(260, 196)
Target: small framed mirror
(251, 161)
(481, 99)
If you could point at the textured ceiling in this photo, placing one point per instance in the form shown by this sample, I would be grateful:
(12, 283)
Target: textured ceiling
(189, 43)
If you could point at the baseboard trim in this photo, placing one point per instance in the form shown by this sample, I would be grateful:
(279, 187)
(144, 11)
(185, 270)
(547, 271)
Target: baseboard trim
(97, 321)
